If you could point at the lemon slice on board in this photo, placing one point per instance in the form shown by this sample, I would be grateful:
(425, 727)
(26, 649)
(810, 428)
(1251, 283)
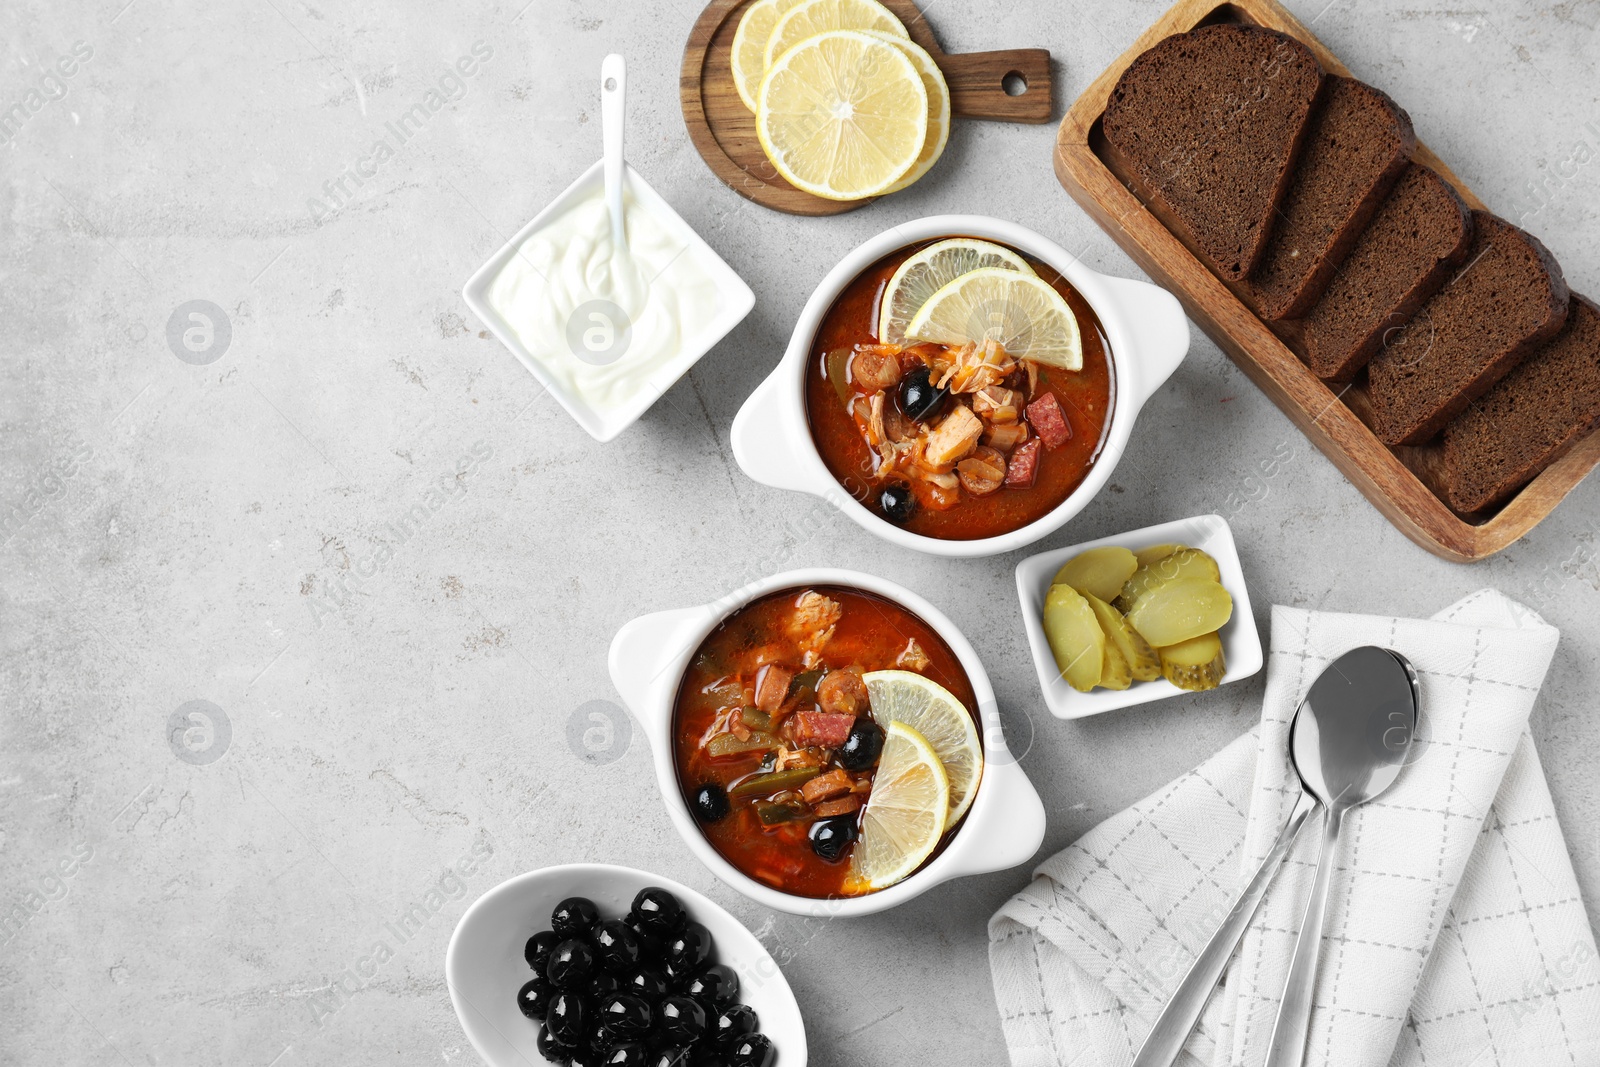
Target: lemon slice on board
(934, 712)
(1023, 312)
(749, 53)
(905, 815)
(842, 115)
(930, 270)
(811, 17)
(938, 108)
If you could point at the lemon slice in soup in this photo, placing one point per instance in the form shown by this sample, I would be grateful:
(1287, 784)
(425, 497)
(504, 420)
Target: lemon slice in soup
(842, 115)
(930, 270)
(749, 54)
(934, 712)
(905, 815)
(811, 17)
(1022, 312)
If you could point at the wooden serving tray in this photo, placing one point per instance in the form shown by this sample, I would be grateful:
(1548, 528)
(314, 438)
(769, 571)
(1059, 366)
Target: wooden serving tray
(724, 131)
(1395, 481)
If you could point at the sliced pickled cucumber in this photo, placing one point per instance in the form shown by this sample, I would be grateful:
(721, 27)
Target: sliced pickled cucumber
(1114, 672)
(1147, 556)
(1184, 563)
(1100, 572)
(1075, 637)
(1194, 664)
(1143, 663)
(1180, 609)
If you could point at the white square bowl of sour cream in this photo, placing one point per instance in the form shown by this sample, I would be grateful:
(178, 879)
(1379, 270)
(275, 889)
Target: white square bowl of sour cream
(607, 335)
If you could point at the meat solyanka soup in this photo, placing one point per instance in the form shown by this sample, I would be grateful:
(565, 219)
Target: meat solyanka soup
(975, 434)
(802, 708)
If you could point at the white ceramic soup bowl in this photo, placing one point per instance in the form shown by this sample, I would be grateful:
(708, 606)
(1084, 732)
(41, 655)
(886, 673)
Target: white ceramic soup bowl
(1004, 826)
(484, 967)
(1145, 326)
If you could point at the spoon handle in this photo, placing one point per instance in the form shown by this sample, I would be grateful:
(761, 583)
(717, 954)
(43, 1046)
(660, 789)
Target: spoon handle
(1288, 1048)
(1178, 1018)
(613, 94)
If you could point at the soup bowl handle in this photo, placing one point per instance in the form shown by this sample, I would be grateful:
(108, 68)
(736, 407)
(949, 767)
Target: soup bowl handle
(1160, 333)
(767, 442)
(1006, 824)
(644, 654)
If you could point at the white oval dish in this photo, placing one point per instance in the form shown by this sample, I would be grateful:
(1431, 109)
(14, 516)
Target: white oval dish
(484, 967)
(1145, 326)
(1004, 826)
(1241, 641)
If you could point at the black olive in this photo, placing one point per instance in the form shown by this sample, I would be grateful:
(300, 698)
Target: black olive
(586, 1056)
(681, 1019)
(898, 503)
(567, 1018)
(830, 837)
(689, 951)
(862, 748)
(626, 1054)
(550, 1048)
(704, 1055)
(713, 987)
(534, 998)
(574, 917)
(918, 398)
(754, 1050)
(571, 962)
(657, 910)
(599, 1038)
(651, 944)
(616, 945)
(710, 802)
(538, 948)
(735, 1021)
(624, 1015)
(651, 985)
(603, 984)
(670, 1056)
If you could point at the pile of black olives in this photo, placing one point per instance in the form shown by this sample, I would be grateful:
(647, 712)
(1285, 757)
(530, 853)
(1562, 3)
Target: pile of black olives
(641, 991)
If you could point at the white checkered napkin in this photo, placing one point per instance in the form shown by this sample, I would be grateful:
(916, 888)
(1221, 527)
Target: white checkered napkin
(1463, 857)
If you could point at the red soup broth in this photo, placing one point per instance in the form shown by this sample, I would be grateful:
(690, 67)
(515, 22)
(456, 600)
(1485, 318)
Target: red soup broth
(871, 634)
(1086, 397)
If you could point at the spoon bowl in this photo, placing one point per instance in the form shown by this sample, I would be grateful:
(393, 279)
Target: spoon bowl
(1351, 735)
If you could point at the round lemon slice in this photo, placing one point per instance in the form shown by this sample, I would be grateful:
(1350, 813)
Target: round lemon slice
(938, 108)
(811, 17)
(933, 712)
(930, 270)
(842, 115)
(1022, 312)
(906, 813)
(749, 53)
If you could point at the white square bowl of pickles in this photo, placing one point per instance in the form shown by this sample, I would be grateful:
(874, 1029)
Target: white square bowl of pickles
(1241, 642)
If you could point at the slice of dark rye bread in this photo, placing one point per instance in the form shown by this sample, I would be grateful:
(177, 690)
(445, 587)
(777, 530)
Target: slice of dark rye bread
(1418, 237)
(1207, 125)
(1499, 308)
(1358, 145)
(1530, 419)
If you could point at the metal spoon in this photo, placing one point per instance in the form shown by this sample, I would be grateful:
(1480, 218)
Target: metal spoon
(1361, 716)
(1177, 1020)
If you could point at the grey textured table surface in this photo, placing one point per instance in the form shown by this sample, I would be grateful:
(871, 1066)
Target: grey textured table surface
(180, 531)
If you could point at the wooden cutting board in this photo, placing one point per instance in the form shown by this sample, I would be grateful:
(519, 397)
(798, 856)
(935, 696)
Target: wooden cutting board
(724, 131)
(1396, 481)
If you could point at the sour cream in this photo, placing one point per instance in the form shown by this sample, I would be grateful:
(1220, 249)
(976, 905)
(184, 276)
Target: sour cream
(608, 324)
